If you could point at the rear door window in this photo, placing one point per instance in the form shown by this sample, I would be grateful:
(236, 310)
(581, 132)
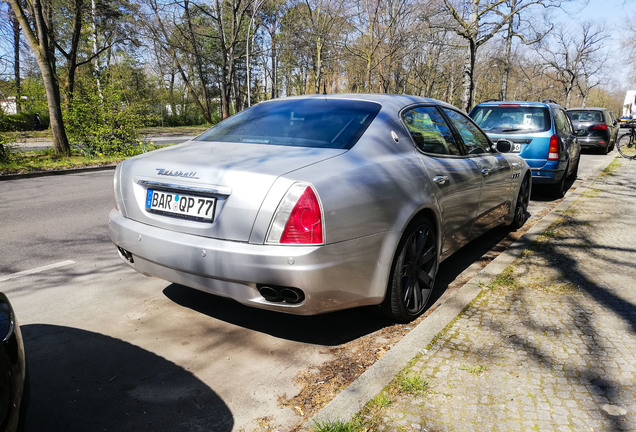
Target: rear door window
(476, 141)
(430, 132)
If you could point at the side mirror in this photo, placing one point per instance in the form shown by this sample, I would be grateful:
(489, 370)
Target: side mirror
(503, 146)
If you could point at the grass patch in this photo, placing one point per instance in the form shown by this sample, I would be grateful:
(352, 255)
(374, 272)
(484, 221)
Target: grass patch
(505, 280)
(355, 425)
(548, 234)
(411, 383)
(590, 193)
(474, 369)
(380, 401)
(47, 160)
(20, 162)
(612, 167)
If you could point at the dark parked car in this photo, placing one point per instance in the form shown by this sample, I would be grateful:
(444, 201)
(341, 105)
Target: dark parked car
(596, 128)
(317, 203)
(12, 368)
(541, 133)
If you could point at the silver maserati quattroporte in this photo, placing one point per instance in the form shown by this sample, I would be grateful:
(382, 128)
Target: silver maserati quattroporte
(316, 203)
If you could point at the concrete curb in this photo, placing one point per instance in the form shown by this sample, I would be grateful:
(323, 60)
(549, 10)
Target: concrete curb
(56, 172)
(351, 400)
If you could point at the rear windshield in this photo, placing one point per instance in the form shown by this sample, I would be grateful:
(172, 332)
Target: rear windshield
(512, 118)
(586, 116)
(320, 123)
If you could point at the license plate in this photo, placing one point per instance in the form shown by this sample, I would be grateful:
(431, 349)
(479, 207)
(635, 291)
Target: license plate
(516, 148)
(181, 205)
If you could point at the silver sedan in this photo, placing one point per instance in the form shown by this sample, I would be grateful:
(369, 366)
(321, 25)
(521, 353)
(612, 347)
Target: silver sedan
(317, 203)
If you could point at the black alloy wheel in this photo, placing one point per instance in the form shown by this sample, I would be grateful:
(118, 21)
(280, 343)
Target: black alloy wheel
(521, 207)
(413, 272)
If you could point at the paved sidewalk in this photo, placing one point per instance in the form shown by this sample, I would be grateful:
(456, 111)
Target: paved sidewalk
(548, 344)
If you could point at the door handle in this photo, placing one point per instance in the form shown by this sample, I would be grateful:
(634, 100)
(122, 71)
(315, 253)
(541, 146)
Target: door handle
(440, 180)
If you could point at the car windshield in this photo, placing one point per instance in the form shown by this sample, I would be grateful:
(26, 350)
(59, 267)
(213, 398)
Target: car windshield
(316, 122)
(512, 118)
(586, 116)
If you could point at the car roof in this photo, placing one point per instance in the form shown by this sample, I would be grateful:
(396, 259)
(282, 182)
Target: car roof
(588, 109)
(395, 101)
(521, 103)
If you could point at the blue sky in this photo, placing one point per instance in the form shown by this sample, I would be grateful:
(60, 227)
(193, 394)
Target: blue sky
(614, 15)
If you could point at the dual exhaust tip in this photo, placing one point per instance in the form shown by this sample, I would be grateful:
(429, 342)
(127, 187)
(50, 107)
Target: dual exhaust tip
(279, 294)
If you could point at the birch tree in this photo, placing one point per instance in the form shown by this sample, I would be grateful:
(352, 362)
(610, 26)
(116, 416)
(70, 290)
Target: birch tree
(477, 21)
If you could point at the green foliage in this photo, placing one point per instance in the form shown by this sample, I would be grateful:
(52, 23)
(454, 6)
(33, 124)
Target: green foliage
(104, 128)
(8, 153)
(338, 426)
(23, 121)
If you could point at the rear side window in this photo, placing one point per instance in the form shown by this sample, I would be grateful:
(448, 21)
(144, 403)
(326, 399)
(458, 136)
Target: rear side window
(512, 118)
(320, 123)
(429, 131)
(563, 124)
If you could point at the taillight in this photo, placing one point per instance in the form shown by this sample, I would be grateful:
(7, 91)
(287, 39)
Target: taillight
(554, 148)
(298, 218)
(116, 186)
(599, 127)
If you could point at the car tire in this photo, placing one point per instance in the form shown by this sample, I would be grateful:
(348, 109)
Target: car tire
(557, 190)
(575, 172)
(413, 272)
(521, 206)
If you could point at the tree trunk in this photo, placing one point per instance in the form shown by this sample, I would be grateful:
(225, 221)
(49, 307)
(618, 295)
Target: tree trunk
(40, 43)
(468, 83)
(16, 60)
(503, 95)
(96, 68)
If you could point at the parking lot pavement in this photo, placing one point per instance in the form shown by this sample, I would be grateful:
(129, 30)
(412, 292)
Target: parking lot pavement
(547, 344)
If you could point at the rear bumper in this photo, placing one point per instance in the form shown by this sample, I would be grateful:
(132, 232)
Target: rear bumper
(332, 277)
(550, 173)
(594, 142)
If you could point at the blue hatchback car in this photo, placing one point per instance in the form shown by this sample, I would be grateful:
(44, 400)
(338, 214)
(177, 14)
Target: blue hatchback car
(540, 132)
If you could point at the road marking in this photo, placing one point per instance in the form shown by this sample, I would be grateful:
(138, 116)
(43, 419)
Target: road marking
(36, 270)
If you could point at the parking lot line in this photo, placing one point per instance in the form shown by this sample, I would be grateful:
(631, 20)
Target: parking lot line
(36, 270)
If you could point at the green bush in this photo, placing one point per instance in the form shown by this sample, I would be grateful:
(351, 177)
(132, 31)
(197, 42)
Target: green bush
(23, 121)
(104, 128)
(8, 152)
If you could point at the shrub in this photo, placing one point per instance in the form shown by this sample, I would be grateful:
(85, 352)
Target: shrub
(8, 152)
(108, 128)
(22, 121)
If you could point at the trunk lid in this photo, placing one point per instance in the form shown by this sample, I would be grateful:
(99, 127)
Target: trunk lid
(236, 177)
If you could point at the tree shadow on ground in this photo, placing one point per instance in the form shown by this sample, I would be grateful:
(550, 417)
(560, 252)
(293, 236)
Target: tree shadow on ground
(84, 381)
(570, 251)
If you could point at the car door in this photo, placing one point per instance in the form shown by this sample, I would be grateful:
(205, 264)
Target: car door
(565, 131)
(455, 177)
(494, 169)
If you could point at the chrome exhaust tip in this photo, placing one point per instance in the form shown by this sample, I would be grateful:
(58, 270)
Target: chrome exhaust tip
(125, 255)
(277, 294)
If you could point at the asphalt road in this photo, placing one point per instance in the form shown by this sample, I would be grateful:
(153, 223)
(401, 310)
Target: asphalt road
(110, 349)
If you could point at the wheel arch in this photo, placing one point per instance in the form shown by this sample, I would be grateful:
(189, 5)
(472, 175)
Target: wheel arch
(425, 212)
